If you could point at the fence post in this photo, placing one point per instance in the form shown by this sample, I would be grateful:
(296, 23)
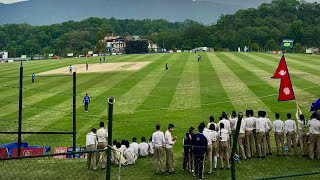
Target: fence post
(110, 113)
(74, 122)
(20, 109)
(234, 147)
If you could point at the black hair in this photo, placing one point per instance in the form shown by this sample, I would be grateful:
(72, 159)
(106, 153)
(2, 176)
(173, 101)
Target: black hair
(101, 124)
(212, 127)
(134, 139)
(211, 118)
(220, 118)
(248, 113)
(170, 126)
(191, 129)
(289, 115)
(224, 115)
(118, 145)
(127, 144)
(221, 125)
(94, 130)
(203, 124)
(264, 114)
(277, 115)
(114, 142)
(143, 139)
(150, 139)
(302, 117)
(158, 127)
(314, 115)
(234, 114)
(123, 142)
(200, 128)
(251, 112)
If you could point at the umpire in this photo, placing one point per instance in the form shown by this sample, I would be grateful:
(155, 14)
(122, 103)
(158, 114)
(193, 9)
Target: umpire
(86, 101)
(199, 148)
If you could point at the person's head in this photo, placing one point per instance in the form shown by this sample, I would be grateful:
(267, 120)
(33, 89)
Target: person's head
(93, 130)
(191, 130)
(260, 113)
(200, 128)
(221, 125)
(248, 113)
(233, 114)
(203, 124)
(170, 127)
(134, 139)
(118, 145)
(86, 94)
(314, 115)
(264, 114)
(277, 115)
(289, 115)
(224, 115)
(251, 112)
(150, 139)
(114, 142)
(101, 124)
(302, 117)
(32, 73)
(158, 127)
(143, 139)
(127, 144)
(220, 118)
(212, 127)
(211, 118)
(123, 142)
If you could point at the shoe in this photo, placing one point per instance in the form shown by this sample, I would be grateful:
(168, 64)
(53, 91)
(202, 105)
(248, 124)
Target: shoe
(209, 173)
(173, 172)
(222, 168)
(215, 169)
(192, 171)
(228, 168)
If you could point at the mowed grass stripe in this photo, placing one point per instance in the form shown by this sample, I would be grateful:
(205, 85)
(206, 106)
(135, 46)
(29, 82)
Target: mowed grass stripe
(265, 76)
(300, 78)
(236, 90)
(135, 96)
(187, 93)
(310, 59)
(214, 99)
(162, 94)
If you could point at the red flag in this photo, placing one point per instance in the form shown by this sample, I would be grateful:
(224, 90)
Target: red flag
(286, 92)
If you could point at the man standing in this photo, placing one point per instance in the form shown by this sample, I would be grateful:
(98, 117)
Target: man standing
(242, 138)
(170, 141)
(87, 66)
(70, 69)
(167, 67)
(314, 128)
(100, 60)
(278, 134)
(290, 131)
(261, 129)
(224, 146)
(250, 141)
(208, 134)
(270, 127)
(102, 136)
(215, 144)
(33, 76)
(86, 101)
(187, 150)
(91, 144)
(301, 131)
(199, 149)
(158, 145)
(199, 57)
(233, 122)
(227, 126)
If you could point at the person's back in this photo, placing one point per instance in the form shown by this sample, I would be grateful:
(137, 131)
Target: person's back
(158, 139)
(199, 144)
(227, 125)
(143, 149)
(130, 155)
(134, 145)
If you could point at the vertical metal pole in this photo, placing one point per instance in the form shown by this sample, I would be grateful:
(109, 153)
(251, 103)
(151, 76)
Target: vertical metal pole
(110, 113)
(20, 109)
(74, 113)
(234, 147)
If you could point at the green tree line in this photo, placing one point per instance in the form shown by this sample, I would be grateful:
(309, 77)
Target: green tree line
(261, 29)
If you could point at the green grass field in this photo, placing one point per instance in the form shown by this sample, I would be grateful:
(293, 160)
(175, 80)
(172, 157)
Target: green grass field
(187, 94)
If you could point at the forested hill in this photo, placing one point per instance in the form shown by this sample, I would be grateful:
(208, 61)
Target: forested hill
(261, 29)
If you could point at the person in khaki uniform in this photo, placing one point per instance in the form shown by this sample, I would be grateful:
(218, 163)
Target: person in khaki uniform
(224, 146)
(278, 134)
(301, 131)
(158, 143)
(250, 141)
(91, 144)
(314, 128)
(290, 129)
(215, 145)
(102, 136)
(270, 127)
(169, 142)
(208, 134)
(261, 129)
(242, 139)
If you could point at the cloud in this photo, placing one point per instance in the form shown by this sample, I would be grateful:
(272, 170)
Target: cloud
(11, 1)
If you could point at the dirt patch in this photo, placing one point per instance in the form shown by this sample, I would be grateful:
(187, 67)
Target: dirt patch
(94, 68)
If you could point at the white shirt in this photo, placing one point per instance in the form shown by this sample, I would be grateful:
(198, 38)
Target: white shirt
(102, 135)
(130, 155)
(262, 125)
(135, 146)
(278, 126)
(158, 139)
(270, 125)
(233, 123)
(250, 123)
(168, 139)
(208, 134)
(314, 126)
(150, 147)
(214, 136)
(242, 126)
(224, 135)
(123, 148)
(227, 125)
(215, 125)
(301, 125)
(143, 149)
(91, 139)
(290, 126)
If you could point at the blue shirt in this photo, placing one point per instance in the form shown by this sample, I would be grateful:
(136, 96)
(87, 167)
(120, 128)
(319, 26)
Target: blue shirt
(70, 67)
(199, 144)
(86, 99)
(33, 76)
